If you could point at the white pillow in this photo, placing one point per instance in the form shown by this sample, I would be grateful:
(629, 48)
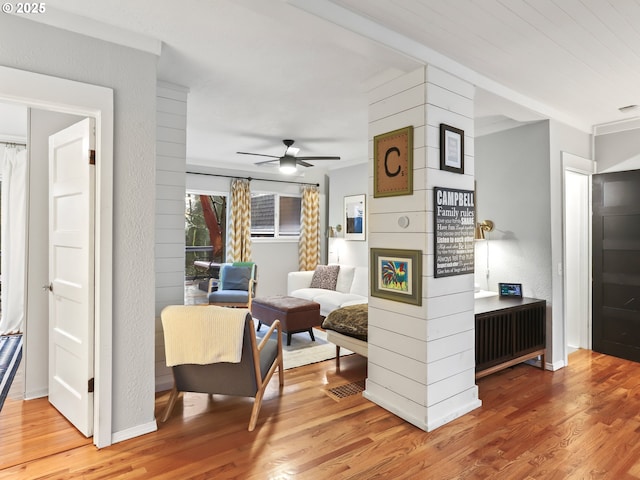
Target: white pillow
(360, 285)
(345, 279)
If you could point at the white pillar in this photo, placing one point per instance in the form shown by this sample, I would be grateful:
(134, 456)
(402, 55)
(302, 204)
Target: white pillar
(422, 358)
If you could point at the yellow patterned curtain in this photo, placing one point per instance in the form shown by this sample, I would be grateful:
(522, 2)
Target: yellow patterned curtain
(309, 246)
(239, 234)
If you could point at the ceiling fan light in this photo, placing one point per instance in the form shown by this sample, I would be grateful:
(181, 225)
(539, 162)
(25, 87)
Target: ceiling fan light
(288, 165)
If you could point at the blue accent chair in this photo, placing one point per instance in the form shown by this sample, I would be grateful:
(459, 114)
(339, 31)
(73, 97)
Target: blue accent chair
(236, 286)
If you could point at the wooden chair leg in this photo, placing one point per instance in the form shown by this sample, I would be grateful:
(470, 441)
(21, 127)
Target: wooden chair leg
(172, 401)
(338, 357)
(281, 370)
(255, 410)
(280, 357)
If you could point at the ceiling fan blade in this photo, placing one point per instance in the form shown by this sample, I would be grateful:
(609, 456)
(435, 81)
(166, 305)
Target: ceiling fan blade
(318, 158)
(292, 151)
(258, 154)
(267, 161)
(304, 164)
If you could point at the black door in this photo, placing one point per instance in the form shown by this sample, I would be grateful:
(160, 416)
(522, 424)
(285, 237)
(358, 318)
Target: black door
(616, 264)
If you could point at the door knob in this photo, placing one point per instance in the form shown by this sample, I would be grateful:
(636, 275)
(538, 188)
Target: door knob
(48, 287)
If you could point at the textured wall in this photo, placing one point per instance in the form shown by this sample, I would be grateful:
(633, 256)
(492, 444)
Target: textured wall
(131, 74)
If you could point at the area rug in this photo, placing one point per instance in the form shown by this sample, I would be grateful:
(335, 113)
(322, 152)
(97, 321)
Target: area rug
(304, 351)
(10, 356)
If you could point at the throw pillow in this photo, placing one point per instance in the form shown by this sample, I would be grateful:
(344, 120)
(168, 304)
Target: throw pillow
(235, 278)
(325, 276)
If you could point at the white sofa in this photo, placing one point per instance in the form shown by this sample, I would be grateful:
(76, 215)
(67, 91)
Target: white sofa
(351, 288)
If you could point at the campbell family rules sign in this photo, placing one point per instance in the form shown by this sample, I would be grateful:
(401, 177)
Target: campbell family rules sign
(454, 231)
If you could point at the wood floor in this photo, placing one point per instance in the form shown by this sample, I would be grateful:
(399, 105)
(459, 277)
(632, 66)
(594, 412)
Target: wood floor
(581, 422)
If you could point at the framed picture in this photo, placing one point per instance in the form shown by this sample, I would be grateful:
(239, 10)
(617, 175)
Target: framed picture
(355, 217)
(393, 163)
(451, 149)
(397, 275)
(454, 231)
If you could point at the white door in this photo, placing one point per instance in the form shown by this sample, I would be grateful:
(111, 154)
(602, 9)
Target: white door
(577, 259)
(71, 271)
(577, 251)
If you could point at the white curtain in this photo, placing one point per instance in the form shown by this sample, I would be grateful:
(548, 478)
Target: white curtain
(14, 233)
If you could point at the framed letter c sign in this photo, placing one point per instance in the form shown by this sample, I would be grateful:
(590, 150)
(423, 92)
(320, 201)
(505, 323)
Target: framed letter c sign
(393, 163)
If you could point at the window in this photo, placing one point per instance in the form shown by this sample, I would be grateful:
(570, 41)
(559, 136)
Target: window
(205, 231)
(275, 216)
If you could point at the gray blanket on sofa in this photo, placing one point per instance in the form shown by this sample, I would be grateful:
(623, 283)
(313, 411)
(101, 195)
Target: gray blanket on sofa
(352, 320)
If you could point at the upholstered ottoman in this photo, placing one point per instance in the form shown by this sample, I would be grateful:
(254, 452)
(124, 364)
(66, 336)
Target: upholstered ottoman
(295, 314)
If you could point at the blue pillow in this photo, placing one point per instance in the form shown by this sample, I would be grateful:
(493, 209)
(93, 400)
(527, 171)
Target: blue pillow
(235, 278)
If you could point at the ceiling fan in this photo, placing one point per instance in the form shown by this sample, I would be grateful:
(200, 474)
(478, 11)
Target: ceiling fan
(289, 161)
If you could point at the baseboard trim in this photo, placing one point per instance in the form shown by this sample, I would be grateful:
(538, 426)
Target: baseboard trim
(395, 410)
(133, 432)
(459, 412)
(39, 393)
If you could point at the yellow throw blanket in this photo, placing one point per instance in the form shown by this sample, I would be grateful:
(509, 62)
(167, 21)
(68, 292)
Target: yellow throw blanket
(202, 334)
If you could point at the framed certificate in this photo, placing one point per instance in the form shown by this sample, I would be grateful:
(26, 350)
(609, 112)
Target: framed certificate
(451, 149)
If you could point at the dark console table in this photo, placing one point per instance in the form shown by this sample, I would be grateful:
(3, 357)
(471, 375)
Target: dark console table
(509, 331)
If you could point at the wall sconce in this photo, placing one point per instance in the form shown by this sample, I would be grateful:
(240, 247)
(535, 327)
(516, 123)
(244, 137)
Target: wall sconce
(482, 227)
(334, 232)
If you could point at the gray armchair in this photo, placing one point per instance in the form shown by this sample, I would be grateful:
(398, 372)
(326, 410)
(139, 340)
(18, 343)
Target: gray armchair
(248, 378)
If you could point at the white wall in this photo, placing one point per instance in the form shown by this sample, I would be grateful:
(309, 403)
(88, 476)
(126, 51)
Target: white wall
(618, 150)
(13, 123)
(347, 181)
(131, 74)
(422, 358)
(42, 123)
(562, 138)
(512, 184)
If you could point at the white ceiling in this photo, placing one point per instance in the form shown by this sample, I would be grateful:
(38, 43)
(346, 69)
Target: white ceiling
(260, 71)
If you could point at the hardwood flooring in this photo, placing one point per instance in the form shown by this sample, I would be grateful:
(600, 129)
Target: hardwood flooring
(581, 422)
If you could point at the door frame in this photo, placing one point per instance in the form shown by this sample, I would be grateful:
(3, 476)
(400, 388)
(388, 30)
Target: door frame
(68, 96)
(583, 166)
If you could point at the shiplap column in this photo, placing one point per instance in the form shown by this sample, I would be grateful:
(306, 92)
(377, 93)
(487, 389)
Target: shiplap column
(422, 358)
(171, 154)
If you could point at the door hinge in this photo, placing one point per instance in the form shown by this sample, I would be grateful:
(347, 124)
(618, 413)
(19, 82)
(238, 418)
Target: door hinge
(92, 157)
(90, 386)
